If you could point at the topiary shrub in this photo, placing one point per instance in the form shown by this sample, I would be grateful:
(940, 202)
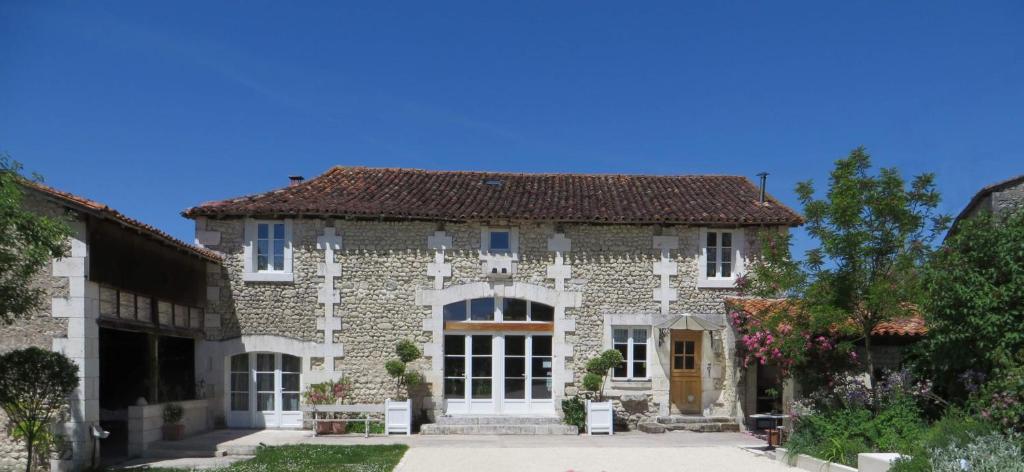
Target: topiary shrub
(398, 369)
(173, 413)
(597, 371)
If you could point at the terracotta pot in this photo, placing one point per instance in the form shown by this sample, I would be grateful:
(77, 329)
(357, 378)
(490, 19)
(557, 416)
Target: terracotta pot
(339, 427)
(174, 432)
(323, 428)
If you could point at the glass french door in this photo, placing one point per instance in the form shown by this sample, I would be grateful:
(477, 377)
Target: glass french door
(498, 373)
(264, 391)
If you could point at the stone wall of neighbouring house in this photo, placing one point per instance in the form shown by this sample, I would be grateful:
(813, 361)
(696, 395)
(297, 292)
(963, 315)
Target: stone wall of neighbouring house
(1008, 200)
(384, 264)
(36, 330)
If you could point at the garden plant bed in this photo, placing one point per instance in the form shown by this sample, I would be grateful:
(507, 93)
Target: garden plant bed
(315, 458)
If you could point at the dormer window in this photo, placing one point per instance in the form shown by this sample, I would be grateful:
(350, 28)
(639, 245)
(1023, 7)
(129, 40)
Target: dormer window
(268, 251)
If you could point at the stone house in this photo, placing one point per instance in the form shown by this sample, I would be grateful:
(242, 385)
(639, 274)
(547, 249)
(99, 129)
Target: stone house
(508, 282)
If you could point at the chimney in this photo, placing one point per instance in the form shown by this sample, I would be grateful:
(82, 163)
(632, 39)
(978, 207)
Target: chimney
(294, 180)
(764, 180)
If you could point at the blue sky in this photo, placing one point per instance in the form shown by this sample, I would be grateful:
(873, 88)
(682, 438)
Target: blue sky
(153, 108)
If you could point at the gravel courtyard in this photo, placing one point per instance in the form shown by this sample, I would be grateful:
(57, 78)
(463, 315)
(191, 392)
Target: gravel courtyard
(673, 451)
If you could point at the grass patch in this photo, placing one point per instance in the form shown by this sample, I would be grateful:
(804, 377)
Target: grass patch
(318, 458)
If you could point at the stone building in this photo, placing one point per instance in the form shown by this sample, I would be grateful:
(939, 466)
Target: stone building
(509, 283)
(127, 305)
(1001, 198)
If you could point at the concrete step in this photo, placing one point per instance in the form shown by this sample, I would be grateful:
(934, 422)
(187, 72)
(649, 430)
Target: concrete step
(179, 453)
(498, 429)
(493, 419)
(690, 419)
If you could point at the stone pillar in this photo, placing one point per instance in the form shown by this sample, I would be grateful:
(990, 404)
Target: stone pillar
(81, 309)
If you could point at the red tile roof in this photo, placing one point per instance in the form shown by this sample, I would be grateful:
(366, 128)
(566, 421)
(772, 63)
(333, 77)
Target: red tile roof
(99, 209)
(912, 325)
(467, 196)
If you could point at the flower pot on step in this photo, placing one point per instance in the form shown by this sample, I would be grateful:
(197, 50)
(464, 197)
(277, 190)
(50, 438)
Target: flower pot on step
(174, 432)
(323, 427)
(339, 427)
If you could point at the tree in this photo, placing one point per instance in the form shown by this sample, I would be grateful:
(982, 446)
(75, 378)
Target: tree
(873, 235)
(34, 385)
(597, 371)
(975, 305)
(398, 369)
(28, 242)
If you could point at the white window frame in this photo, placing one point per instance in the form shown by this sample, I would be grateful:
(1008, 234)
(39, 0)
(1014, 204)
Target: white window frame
(703, 280)
(513, 242)
(630, 342)
(249, 273)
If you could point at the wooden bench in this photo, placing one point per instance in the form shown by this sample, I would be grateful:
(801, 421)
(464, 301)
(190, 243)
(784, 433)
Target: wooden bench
(358, 408)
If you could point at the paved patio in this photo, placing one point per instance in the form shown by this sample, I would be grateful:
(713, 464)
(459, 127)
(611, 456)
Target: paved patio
(673, 451)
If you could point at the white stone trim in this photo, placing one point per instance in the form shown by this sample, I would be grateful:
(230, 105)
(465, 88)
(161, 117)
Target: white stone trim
(664, 269)
(328, 295)
(439, 241)
(81, 345)
(738, 245)
(559, 244)
(249, 274)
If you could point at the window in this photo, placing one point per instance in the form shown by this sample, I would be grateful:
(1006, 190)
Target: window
(268, 251)
(265, 382)
(631, 342)
(500, 241)
(291, 367)
(541, 367)
(240, 382)
(720, 257)
(270, 247)
(511, 309)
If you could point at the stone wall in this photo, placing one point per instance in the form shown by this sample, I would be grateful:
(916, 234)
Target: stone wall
(36, 330)
(1008, 200)
(384, 264)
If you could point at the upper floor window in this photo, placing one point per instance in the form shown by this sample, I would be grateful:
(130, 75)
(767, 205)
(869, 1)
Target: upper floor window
(502, 241)
(499, 241)
(270, 247)
(268, 251)
(720, 257)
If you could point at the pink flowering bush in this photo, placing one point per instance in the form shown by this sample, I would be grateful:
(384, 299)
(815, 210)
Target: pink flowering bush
(328, 393)
(781, 334)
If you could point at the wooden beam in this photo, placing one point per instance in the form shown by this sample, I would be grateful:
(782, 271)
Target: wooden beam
(494, 326)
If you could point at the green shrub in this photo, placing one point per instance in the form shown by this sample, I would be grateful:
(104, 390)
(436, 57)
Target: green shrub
(956, 428)
(897, 426)
(992, 452)
(574, 413)
(358, 427)
(836, 435)
(407, 351)
(173, 413)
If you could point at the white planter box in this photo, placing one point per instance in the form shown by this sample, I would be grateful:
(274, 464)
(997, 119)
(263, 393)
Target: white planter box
(397, 417)
(867, 462)
(600, 417)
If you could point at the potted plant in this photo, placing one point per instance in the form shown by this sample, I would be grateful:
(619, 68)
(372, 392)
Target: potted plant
(328, 393)
(600, 413)
(174, 429)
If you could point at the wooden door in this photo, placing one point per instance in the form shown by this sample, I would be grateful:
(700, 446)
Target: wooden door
(685, 388)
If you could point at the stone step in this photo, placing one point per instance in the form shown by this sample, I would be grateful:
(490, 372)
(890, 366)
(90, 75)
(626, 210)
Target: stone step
(693, 419)
(498, 429)
(179, 453)
(493, 419)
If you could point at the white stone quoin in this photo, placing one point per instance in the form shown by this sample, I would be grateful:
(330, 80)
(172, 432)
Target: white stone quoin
(666, 268)
(329, 296)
